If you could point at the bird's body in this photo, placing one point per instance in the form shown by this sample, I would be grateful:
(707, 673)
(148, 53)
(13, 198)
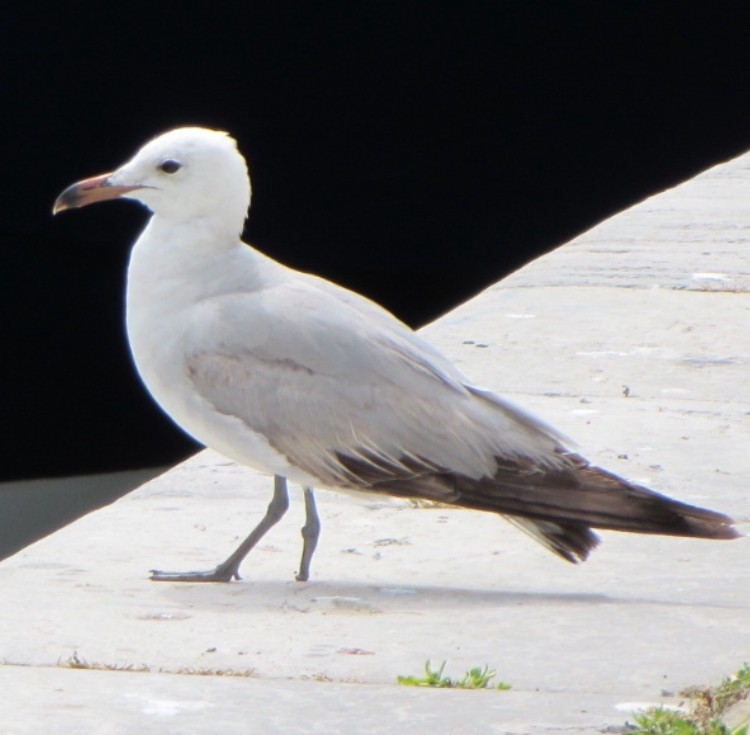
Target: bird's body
(303, 379)
(170, 325)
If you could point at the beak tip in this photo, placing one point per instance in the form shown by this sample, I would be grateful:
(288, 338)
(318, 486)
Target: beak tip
(71, 198)
(88, 191)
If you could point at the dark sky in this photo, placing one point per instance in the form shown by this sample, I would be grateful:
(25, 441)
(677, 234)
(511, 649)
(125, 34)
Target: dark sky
(415, 151)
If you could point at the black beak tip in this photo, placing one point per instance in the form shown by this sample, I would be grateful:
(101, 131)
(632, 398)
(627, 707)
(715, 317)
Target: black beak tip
(69, 199)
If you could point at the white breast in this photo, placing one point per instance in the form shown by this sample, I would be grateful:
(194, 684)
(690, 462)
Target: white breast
(166, 285)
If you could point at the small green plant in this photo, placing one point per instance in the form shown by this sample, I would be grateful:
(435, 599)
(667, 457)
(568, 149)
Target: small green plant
(431, 678)
(669, 722)
(732, 689)
(476, 678)
(706, 710)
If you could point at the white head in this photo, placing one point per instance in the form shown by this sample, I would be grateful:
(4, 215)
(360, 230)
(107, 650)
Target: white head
(184, 174)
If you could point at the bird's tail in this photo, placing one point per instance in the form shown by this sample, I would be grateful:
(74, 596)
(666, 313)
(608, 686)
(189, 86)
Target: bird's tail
(572, 541)
(558, 504)
(560, 507)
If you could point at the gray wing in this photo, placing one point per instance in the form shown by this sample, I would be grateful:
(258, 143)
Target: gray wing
(349, 394)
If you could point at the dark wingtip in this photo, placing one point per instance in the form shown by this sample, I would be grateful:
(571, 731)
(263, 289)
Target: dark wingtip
(711, 525)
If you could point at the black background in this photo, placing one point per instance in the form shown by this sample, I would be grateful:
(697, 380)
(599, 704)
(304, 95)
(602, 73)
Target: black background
(415, 151)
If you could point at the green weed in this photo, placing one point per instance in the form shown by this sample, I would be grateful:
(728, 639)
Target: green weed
(707, 706)
(476, 678)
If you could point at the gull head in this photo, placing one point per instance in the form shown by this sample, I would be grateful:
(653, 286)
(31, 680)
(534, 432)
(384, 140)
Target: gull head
(184, 174)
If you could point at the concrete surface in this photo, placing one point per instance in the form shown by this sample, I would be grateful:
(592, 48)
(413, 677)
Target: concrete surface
(633, 339)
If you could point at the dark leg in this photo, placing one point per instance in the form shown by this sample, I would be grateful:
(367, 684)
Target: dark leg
(229, 569)
(310, 535)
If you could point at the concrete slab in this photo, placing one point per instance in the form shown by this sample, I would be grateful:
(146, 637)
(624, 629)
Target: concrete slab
(60, 702)
(632, 339)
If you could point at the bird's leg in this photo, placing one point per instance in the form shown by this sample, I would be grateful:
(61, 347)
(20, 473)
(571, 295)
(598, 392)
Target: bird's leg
(229, 569)
(310, 535)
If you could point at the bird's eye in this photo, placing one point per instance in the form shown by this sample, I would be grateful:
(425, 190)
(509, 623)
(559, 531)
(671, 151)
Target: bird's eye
(170, 166)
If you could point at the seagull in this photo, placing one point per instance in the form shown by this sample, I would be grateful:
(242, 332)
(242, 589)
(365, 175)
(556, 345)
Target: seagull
(305, 380)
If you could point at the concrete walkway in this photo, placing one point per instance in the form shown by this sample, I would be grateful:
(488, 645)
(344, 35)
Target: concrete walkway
(633, 339)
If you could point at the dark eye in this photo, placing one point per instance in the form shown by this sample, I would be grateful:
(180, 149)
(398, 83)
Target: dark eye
(169, 166)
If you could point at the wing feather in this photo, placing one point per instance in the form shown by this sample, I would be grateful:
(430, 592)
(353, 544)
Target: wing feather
(328, 378)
